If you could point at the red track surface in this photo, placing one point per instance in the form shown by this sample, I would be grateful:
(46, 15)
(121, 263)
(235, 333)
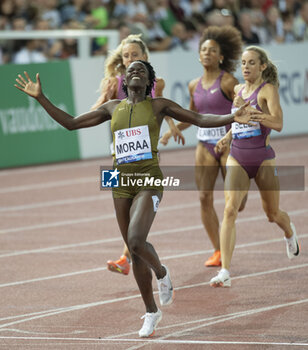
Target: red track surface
(57, 230)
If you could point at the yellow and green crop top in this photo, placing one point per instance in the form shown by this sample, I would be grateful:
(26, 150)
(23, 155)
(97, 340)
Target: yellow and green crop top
(135, 132)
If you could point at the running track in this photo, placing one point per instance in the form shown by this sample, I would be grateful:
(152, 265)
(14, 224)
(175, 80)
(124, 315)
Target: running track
(57, 230)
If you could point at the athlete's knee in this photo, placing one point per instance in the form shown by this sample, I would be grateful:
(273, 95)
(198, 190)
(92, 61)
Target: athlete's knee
(135, 245)
(135, 258)
(272, 215)
(206, 199)
(230, 211)
(243, 203)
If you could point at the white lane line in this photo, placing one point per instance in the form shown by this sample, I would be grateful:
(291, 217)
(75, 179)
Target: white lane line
(244, 314)
(96, 242)
(55, 167)
(106, 161)
(69, 309)
(116, 239)
(205, 322)
(83, 220)
(88, 199)
(100, 341)
(58, 223)
(71, 201)
(221, 318)
(30, 314)
(177, 256)
(110, 216)
(14, 330)
(55, 203)
(213, 320)
(47, 313)
(55, 311)
(36, 186)
(69, 274)
(47, 278)
(44, 185)
(46, 204)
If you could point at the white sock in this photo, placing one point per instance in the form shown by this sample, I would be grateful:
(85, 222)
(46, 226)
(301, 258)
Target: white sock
(290, 239)
(225, 271)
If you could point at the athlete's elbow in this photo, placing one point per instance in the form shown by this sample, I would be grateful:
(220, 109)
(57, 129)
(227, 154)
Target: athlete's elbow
(279, 123)
(71, 126)
(279, 127)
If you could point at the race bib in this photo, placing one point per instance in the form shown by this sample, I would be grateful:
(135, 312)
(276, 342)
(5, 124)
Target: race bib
(244, 131)
(211, 135)
(132, 144)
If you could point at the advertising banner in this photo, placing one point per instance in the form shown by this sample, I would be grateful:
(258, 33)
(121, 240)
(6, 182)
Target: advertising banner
(28, 135)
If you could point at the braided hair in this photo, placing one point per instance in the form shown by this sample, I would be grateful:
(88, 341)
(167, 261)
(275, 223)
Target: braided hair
(152, 78)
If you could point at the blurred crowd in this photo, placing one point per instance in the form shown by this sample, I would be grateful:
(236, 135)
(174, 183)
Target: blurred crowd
(164, 24)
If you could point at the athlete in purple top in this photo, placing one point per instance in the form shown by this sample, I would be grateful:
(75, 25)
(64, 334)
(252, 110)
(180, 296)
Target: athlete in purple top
(207, 101)
(247, 138)
(213, 92)
(130, 49)
(251, 156)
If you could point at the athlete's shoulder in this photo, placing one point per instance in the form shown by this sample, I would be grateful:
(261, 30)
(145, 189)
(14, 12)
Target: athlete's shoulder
(238, 87)
(194, 82)
(159, 104)
(268, 91)
(110, 106)
(192, 85)
(113, 103)
(157, 100)
(269, 87)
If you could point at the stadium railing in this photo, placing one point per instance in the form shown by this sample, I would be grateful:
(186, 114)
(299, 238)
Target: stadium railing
(83, 37)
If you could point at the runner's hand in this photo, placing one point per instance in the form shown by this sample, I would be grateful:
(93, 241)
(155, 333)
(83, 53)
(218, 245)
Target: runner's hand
(246, 113)
(165, 138)
(222, 144)
(178, 136)
(238, 101)
(33, 89)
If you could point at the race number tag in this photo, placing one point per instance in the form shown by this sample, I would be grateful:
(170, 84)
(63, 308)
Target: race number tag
(132, 144)
(211, 135)
(244, 131)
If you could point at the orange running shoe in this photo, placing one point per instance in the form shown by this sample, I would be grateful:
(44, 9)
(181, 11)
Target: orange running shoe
(214, 260)
(121, 266)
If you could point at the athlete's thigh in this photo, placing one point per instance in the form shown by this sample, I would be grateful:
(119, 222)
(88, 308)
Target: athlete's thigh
(237, 182)
(268, 184)
(122, 207)
(223, 162)
(206, 170)
(142, 212)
